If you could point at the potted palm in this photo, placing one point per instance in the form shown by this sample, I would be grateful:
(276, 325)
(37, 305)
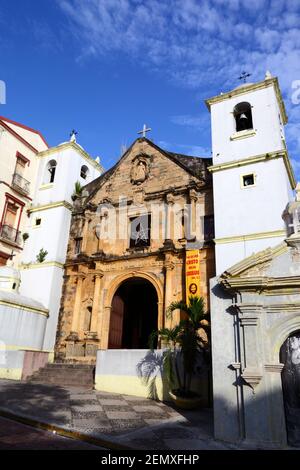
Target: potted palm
(187, 343)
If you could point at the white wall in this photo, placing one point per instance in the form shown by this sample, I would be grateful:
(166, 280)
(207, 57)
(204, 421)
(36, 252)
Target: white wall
(257, 209)
(21, 328)
(44, 283)
(265, 115)
(253, 209)
(52, 235)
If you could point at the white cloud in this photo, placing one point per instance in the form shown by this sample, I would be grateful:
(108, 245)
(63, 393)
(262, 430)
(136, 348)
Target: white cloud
(186, 120)
(199, 45)
(202, 43)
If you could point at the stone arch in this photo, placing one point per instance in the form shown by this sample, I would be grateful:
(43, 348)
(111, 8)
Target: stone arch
(115, 284)
(281, 332)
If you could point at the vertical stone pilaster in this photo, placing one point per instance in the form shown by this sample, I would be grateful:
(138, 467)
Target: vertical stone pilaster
(85, 236)
(169, 222)
(104, 325)
(77, 304)
(96, 304)
(193, 195)
(169, 267)
(251, 343)
(276, 412)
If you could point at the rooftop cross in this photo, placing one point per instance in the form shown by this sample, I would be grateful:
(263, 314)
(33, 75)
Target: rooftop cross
(244, 75)
(144, 130)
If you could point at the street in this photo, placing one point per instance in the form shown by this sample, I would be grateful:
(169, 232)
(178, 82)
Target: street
(17, 436)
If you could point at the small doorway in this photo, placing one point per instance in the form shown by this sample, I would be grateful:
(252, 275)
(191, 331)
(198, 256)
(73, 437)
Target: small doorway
(134, 315)
(290, 357)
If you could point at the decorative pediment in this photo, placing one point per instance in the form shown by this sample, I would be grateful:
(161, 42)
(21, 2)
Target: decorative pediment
(253, 274)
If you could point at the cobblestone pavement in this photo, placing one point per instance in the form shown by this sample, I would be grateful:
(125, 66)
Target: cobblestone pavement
(126, 420)
(17, 436)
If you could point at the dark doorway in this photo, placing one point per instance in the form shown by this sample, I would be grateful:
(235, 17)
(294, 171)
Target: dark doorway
(133, 315)
(290, 357)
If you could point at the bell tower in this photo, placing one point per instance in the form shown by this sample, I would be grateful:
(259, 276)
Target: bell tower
(63, 171)
(253, 179)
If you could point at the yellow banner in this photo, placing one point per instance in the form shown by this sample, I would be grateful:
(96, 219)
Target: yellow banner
(192, 274)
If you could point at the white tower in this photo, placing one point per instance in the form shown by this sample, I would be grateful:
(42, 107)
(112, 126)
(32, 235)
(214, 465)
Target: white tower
(49, 224)
(252, 176)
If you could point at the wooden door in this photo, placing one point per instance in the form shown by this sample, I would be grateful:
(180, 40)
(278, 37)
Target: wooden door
(116, 323)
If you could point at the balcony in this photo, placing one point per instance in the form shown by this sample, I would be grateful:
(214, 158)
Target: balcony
(20, 184)
(10, 234)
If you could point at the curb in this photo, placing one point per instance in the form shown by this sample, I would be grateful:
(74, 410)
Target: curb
(106, 443)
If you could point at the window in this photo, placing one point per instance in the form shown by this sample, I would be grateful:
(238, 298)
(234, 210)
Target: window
(20, 165)
(248, 180)
(78, 242)
(38, 222)
(11, 218)
(84, 172)
(243, 116)
(209, 227)
(51, 169)
(140, 230)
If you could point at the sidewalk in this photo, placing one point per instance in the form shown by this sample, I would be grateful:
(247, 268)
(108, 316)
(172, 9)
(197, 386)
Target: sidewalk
(109, 420)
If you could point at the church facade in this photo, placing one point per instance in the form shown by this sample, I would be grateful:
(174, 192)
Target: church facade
(126, 254)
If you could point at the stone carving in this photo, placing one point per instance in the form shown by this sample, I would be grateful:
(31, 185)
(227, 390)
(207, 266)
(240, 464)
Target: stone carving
(138, 197)
(140, 170)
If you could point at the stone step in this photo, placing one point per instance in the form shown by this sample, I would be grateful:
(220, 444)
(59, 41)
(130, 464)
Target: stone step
(55, 381)
(81, 375)
(66, 365)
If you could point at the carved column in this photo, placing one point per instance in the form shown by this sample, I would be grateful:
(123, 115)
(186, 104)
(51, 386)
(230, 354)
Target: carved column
(96, 304)
(193, 213)
(169, 222)
(85, 236)
(169, 267)
(77, 305)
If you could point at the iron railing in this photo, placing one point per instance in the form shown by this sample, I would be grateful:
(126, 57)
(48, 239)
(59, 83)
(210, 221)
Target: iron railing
(11, 234)
(20, 183)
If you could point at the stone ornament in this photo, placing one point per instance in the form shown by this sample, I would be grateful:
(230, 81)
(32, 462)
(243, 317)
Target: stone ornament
(140, 169)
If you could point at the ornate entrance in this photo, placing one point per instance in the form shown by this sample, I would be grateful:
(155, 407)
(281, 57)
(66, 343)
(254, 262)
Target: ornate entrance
(290, 357)
(134, 314)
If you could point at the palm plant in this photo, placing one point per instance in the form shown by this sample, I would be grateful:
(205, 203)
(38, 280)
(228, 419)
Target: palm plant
(185, 342)
(170, 363)
(77, 190)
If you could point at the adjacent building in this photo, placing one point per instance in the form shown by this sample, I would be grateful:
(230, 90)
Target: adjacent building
(19, 146)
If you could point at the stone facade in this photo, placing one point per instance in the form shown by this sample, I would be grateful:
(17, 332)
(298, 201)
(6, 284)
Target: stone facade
(147, 179)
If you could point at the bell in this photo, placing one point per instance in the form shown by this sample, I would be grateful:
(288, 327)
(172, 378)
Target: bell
(243, 116)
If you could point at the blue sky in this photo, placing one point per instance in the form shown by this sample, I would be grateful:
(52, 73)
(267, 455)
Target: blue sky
(106, 67)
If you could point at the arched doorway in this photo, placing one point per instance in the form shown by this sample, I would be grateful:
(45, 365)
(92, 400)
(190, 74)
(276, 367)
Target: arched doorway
(134, 314)
(290, 357)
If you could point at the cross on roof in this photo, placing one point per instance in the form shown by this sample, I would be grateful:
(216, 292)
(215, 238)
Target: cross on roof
(144, 130)
(244, 75)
